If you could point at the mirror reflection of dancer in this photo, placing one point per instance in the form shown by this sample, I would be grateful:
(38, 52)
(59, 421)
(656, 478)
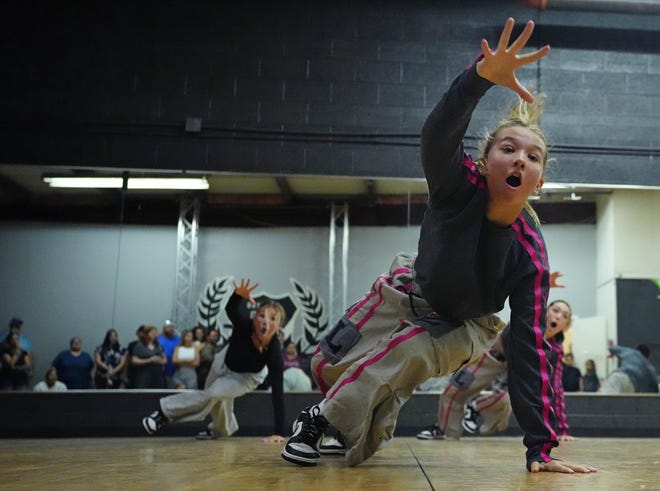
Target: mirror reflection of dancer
(480, 244)
(253, 351)
(635, 372)
(462, 406)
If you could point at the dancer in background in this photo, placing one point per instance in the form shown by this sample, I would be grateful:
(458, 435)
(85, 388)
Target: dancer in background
(463, 406)
(253, 352)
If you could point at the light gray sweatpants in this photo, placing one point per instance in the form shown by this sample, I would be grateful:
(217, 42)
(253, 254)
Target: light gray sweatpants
(395, 353)
(466, 385)
(221, 388)
(617, 383)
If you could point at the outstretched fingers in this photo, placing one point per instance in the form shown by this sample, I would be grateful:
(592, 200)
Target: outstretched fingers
(245, 289)
(503, 43)
(499, 65)
(521, 40)
(534, 56)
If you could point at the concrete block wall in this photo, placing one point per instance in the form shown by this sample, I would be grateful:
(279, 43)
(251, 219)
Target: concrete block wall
(111, 85)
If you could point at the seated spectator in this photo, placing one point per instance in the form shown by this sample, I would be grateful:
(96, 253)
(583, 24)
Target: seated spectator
(635, 372)
(186, 360)
(16, 363)
(148, 360)
(50, 382)
(74, 366)
(110, 360)
(590, 380)
(571, 376)
(295, 379)
(207, 353)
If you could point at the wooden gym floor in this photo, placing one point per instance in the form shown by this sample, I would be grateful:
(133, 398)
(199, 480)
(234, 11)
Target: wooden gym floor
(246, 463)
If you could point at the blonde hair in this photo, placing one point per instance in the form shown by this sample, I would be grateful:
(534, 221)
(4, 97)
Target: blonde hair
(522, 115)
(279, 310)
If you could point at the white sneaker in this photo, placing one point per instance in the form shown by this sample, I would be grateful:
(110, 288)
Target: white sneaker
(206, 435)
(433, 432)
(470, 421)
(334, 446)
(153, 422)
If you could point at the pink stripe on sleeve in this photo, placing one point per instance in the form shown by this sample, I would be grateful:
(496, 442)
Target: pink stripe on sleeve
(538, 259)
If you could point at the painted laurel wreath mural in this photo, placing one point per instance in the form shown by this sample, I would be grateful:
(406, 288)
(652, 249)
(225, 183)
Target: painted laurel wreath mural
(306, 322)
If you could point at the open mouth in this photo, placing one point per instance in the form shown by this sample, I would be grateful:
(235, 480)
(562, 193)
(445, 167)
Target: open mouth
(553, 324)
(513, 181)
(264, 330)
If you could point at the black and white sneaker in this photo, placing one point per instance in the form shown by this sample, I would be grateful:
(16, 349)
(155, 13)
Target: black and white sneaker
(154, 422)
(333, 446)
(308, 430)
(206, 435)
(433, 432)
(471, 417)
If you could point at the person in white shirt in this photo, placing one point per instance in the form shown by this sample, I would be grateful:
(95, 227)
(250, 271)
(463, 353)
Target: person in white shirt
(50, 382)
(186, 361)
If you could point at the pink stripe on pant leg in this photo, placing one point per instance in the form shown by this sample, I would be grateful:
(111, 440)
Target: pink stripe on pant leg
(443, 424)
(390, 346)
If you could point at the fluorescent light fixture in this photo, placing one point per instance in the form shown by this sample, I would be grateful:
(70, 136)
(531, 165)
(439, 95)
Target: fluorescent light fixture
(84, 182)
(167, 183)
(133, 182)
(554, 185)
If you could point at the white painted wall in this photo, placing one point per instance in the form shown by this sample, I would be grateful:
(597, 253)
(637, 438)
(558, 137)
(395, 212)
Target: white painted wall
(66, 280)
(628, 235)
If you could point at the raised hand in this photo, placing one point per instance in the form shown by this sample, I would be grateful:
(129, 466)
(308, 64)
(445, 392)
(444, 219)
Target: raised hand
(554, 276)
(244, 290)
(499, 66)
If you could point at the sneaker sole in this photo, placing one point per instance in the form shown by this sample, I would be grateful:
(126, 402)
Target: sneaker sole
(204, 438)
(298, 460)
(146, 427)
(469, 429)
(332, 451)
(424, 437)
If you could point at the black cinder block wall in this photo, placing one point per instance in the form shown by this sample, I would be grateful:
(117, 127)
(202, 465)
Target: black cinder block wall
(323, 88)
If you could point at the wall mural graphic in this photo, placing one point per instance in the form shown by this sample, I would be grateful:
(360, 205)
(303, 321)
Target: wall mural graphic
(306, 315)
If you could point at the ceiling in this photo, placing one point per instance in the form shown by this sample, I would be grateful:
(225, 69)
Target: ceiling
(248, 199)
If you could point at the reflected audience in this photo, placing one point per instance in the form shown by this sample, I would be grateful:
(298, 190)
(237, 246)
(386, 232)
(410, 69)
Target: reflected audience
(75, 366)
(16, 363)
(186, 361)
(15, 325)
(148, 360)
(199, 337)
(590, 381)
(169, 340)
(295, 378)
(50, 382)
(110, 360)
(207, 353)
(571, 376)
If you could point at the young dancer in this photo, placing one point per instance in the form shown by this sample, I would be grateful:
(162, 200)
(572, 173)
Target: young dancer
(490, 413)
(432, 313)
(462, 407)
(253, 351)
